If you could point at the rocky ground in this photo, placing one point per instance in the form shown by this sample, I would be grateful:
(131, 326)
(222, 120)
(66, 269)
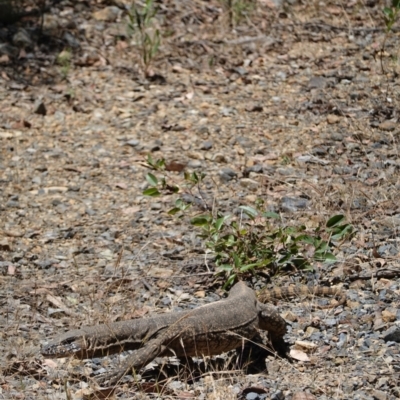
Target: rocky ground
(296, 104)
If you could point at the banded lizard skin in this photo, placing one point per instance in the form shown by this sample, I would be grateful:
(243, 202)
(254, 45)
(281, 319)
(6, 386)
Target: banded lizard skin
(207, 330)
(269, 295)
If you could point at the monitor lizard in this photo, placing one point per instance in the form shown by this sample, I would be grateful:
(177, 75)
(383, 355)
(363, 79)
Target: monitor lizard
(207, 330)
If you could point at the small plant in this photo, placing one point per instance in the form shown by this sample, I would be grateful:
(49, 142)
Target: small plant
(142, 25)
(252, 239)
(238, 10)
(390, 15)
(64, 60)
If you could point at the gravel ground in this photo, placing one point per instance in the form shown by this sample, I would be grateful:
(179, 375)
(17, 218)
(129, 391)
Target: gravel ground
(291, 106)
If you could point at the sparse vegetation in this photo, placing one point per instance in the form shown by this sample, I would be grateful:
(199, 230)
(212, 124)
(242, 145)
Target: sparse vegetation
(64, 60)
(390, 15)
(142, 26)
(238, 10)
(250, 239)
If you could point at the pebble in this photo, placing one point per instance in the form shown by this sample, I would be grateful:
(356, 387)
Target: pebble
(227, 174)
(293, 204)
(195, 164)
(220, 158)
(249, 184)
(132, 142)
(392, 334)
(108, 14)
(207, 145)
(388, 125)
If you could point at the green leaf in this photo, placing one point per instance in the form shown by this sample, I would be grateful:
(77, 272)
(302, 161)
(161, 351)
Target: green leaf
(225, 267)
(152, 179)
(270, 214)
(388, 12)
(329, 257)
(324, 256)
(230, 240)
(229, 281)
(179, 203)
(305, 239)
(160, 163)
(250, 211)
(342, 232)
(396, 3)
(150, 160)
(236, 260)
(220, 222)
(174, 211)
(201, 220)
(245, 268)
(322, 246)
(152, 192)
(284, 259)
(335, 220)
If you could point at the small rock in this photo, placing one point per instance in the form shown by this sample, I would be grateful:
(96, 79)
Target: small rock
(305, 344)
(207, 145)
(379, 395)
(160, 272)
(71, 39)
(249, 184)
(4, 245)
(254, 108)
(303, 396)
(195, 164)
(40, 108)
(220, 158)
(257, 168)
(388, 125)
(278, 395)
(107, 14)
(50, 22)
(392, 334)
(22, 39)
(319, 151)
(332, 119)
(47, 263)
(317, 82)
(8, 50)
(290, 316)
(227, 111)
(227, 174)
(12, 204)
(389, 315)
(132, 142)
(244, 141)
(293, 204)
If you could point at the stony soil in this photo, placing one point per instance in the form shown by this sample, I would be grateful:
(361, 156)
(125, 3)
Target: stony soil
(296, 105)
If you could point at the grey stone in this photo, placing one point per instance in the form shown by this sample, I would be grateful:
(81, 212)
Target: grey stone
(22, 39)
(40, 108)
(207, 145)
(392, 334)
(132, 142)
(227, 174)
(293, 204)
